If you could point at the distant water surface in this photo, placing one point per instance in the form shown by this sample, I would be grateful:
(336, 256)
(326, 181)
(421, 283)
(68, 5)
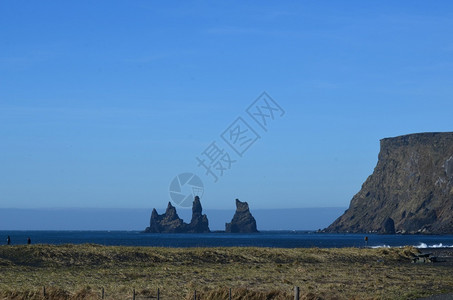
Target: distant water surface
(281, 239)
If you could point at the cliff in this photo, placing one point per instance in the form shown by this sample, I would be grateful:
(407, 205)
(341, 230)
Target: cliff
(243, 221)
(410, 190)
(170, 222)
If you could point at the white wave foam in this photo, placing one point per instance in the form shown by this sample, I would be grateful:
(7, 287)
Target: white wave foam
(422, 246)
(380, 246)
(440, 245)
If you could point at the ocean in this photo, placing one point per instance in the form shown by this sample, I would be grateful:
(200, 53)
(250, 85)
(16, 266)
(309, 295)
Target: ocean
(280, 239)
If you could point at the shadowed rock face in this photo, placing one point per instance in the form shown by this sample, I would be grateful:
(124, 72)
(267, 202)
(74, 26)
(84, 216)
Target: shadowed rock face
(242, 221)
(199, 222)
(388, 227)
(169, 222)
(410, 190)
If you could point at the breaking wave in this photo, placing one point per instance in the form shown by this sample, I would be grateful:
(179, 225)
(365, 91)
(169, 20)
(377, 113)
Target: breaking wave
(419, 246)
(381, 246)
(440, 245)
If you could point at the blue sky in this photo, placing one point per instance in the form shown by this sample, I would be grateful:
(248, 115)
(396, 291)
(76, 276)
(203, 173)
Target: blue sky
(102, 103)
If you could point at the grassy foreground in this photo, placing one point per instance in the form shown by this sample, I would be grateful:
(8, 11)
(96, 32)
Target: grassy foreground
(80, 271)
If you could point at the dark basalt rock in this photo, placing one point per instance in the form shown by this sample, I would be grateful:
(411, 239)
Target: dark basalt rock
(170, 222)
(199, 222)
(388, 227)
(411, 187)
(243, 221)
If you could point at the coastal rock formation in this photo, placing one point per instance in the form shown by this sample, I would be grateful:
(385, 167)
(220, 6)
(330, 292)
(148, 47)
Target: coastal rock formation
(242, 221)
(199, 222)
(410, 190)
(388, 227)
(170, 222)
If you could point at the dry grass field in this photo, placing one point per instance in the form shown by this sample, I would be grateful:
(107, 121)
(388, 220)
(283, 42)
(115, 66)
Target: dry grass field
(81, 271)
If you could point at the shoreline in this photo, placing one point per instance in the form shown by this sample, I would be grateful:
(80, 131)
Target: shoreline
(275, 239)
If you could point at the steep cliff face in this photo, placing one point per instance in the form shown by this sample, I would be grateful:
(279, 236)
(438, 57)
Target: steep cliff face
(170, 222)
(242, 221)
(410, 190)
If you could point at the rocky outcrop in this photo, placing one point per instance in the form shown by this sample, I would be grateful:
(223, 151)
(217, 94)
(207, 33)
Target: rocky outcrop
(170, 222)
(243, 221)
(388, 227)
(199, 222)
(410, 190)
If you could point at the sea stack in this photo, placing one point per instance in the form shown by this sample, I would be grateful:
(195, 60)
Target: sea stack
(243, 221)
(199, 222)
(410, 190)
(170, 222)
